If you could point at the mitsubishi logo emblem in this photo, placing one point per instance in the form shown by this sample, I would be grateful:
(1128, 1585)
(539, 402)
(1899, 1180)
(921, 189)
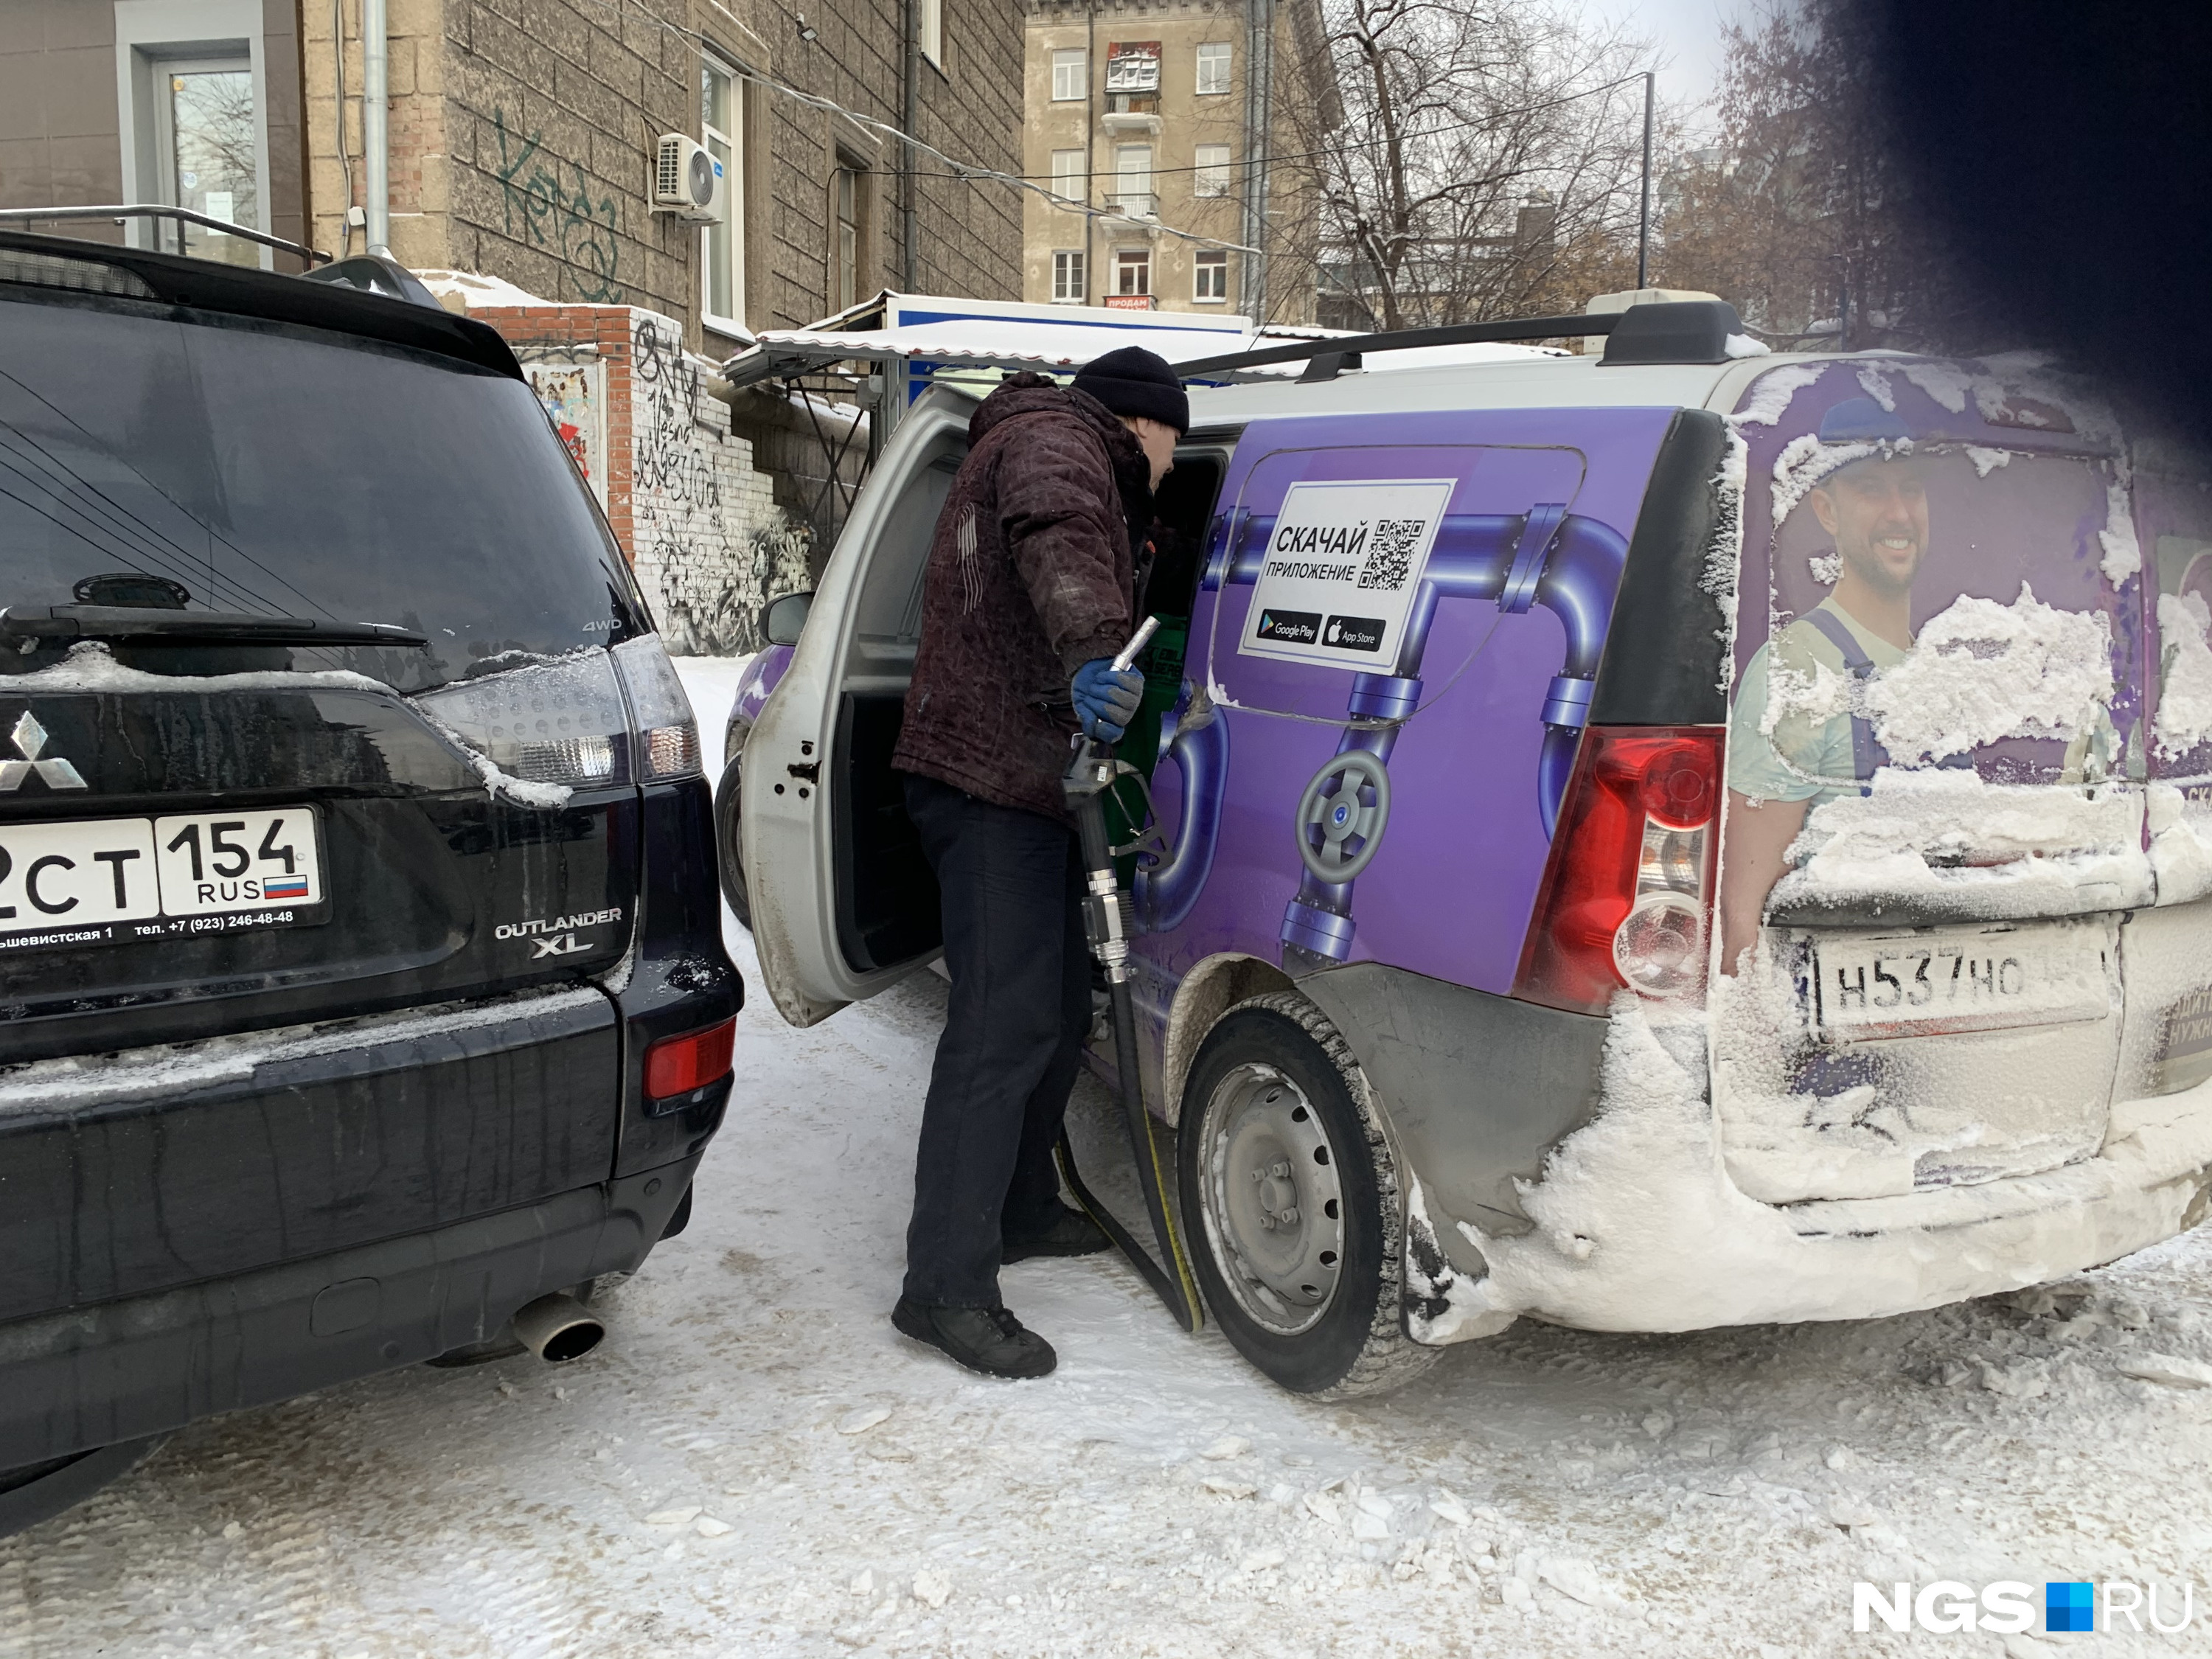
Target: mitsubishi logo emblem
(30, 739)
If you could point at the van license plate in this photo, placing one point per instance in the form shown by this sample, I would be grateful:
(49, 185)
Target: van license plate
(114, 881)
(1958, 980)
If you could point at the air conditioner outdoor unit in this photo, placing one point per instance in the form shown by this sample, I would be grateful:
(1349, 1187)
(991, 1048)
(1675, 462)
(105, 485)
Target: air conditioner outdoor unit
(686, 180)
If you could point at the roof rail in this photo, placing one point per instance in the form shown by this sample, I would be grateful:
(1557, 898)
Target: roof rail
(1662, 331)
(162, 210)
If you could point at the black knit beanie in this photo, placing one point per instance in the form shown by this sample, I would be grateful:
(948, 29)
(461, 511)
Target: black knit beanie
(1135, 381)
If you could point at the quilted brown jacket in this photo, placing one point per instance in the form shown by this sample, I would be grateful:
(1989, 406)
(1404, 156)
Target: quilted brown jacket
(1032, 573)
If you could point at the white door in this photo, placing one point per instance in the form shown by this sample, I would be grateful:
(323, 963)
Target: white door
(842, 904)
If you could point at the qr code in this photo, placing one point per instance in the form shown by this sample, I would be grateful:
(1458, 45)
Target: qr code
(1390, 556)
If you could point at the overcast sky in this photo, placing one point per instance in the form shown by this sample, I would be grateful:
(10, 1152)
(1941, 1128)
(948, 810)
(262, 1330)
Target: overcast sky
(1688, 35)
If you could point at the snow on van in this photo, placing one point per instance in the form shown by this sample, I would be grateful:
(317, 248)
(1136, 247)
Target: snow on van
(1660, 840)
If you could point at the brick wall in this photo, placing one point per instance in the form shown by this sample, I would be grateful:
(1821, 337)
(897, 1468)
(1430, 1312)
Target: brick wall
(699, 524)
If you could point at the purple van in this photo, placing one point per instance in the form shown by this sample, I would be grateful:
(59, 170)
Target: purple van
(1677, 838)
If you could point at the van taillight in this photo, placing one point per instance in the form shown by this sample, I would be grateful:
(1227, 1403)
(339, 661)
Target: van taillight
(680, 1065)
(1627, 896)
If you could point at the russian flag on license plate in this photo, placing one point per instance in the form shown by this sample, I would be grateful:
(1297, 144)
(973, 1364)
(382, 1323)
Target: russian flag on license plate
(284, 887)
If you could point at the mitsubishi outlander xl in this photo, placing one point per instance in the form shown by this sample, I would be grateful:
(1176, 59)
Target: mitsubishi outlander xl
(362, 981)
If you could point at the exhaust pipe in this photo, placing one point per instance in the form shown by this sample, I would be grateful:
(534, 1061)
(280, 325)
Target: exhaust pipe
(557, 1328)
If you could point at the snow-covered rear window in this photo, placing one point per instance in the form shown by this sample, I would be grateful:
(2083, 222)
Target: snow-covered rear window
(228, 465)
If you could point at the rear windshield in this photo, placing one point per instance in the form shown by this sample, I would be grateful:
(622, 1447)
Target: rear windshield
(284, 471)
(1933, 567)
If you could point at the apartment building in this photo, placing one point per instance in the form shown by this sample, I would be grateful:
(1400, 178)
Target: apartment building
(1170, 121)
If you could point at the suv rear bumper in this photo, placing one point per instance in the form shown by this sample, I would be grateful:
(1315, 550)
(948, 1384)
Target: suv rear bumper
(118, 1371)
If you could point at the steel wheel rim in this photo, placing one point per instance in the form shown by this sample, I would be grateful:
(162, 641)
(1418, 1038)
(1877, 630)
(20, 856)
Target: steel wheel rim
(1273, 1199)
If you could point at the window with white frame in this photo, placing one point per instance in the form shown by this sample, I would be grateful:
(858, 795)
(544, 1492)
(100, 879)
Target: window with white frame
(1214, 67)
(1210, 278)
(1068, 286)
(1211, 177)
(1132, 178)
(846, 205)
(1069, 167)
(1133, 270)
(929, 26)
(1070, 75)
(722, 243)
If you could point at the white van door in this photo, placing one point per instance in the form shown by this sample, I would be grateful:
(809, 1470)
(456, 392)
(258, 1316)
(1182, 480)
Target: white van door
(844, 903)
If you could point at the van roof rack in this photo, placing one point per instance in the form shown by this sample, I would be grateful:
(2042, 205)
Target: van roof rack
(1661, 331)
(313, 257)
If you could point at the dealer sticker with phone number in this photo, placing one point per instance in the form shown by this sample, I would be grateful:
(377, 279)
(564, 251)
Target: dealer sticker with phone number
(111, 881)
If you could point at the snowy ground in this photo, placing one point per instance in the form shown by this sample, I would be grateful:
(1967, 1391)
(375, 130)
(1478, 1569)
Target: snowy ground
(754, 1463)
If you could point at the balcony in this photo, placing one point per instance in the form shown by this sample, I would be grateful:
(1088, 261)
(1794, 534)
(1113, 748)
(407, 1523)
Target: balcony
(1135, 213)
(1123, 122)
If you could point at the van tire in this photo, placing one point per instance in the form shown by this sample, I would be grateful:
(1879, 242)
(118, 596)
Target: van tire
(728, 837)
(1266, 1061)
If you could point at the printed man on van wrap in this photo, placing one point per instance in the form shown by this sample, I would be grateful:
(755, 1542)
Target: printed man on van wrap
(1029, 593)
(1875, 507)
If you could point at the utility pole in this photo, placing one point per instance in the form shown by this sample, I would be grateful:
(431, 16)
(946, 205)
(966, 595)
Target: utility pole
(1259, 142)
(1644, 214)
(910, 104)
(375, 128)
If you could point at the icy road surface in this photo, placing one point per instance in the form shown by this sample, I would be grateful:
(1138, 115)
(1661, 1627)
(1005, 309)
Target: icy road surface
(755, 1464)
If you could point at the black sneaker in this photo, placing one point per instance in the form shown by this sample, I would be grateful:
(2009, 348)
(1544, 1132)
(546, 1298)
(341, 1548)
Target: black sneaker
(986, 1339)
(1073, 1233)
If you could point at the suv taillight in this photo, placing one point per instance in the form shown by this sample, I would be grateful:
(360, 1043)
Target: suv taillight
(1627, 896)
(682, 1065)
(589, 718)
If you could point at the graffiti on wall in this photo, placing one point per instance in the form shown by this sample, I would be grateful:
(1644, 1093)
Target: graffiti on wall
(584, 232)
(571, 392)
(710, 545)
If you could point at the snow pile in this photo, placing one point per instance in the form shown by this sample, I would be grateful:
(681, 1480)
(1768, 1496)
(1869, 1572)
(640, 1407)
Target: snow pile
(1771, 393)
(1980, 670)
(2123, 554)
(1742, 345)
(1640, 1228)
(2184, 696)
(171, 1070)
(1987, 461)
(1819, 695)
(1804, 461)
(2180, 829)
(1959, 845)
(1875, 385)
(1725, 549)
(91, 666)
(1947, 383)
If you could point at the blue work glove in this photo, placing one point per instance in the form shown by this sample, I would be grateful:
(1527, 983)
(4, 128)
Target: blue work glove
(1106, 702)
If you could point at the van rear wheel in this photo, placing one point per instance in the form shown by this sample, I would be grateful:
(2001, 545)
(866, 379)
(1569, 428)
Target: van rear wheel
(1291, 1199)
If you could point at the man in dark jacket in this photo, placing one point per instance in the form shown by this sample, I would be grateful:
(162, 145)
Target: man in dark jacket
(1029, 593)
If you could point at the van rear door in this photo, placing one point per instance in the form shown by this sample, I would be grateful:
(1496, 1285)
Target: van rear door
(1944, 951)
(843, 902)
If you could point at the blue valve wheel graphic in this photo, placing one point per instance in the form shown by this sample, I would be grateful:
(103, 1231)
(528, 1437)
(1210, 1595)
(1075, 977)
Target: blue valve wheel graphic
(1341, 815)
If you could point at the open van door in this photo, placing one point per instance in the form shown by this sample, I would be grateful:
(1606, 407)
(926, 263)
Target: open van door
(843, 902)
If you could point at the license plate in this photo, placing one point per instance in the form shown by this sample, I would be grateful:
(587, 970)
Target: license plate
(114, 881)
(1959, 980)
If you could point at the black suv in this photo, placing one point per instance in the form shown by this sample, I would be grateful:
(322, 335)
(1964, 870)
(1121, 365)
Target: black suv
(362, 980)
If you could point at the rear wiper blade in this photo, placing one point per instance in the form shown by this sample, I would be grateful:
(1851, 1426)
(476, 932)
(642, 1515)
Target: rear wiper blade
(29, 625)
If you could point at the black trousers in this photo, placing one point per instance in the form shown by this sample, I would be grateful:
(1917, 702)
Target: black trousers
(1011, 886)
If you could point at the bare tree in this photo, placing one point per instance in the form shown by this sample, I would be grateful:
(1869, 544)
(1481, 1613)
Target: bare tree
(1482, 166)
(1801, 216)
